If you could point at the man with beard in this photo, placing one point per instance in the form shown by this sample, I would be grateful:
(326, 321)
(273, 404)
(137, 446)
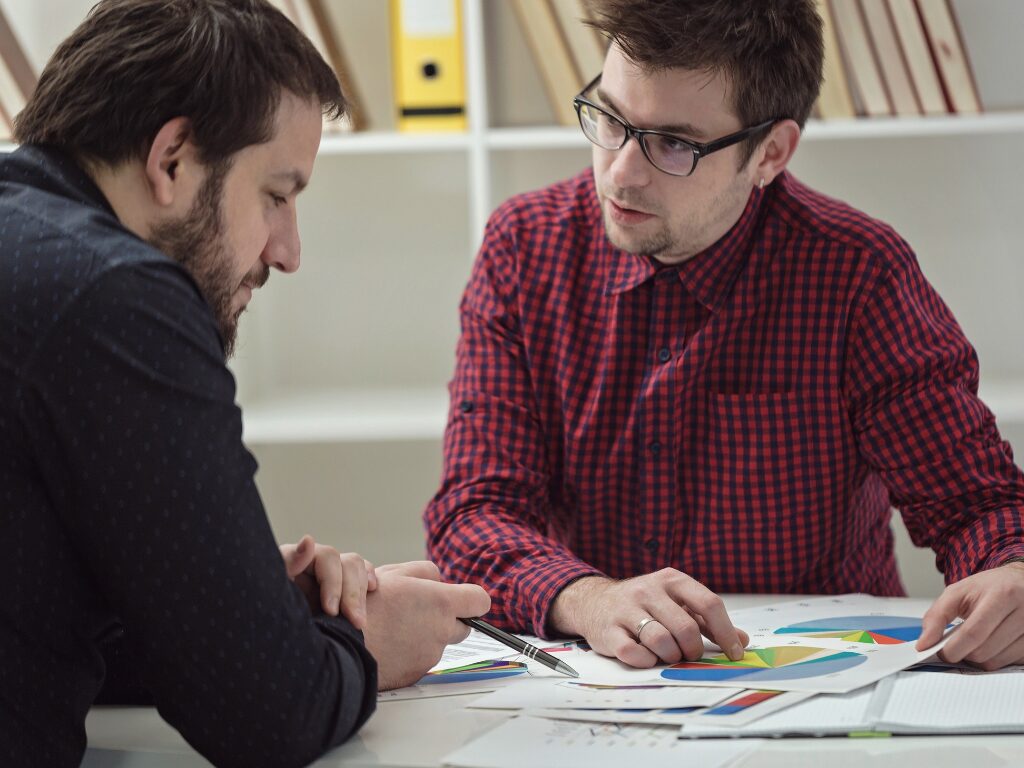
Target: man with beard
(683, 373)
(154, 191)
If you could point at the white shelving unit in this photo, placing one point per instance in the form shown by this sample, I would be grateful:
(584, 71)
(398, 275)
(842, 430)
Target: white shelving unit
(342, 367)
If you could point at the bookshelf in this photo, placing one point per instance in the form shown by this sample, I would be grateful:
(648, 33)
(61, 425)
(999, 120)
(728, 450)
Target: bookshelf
(342, 367)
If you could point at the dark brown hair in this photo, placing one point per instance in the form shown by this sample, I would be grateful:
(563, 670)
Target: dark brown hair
(769, 51)
(132, 65)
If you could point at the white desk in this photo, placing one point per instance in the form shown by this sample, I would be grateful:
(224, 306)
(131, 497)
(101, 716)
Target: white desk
(410, 734)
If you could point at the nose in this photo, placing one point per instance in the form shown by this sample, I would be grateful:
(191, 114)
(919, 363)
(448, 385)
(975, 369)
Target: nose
(630, 167)
(283, 247)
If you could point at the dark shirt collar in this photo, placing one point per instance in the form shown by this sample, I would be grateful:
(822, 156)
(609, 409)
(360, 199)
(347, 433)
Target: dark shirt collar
(708, 276)
(55, 171)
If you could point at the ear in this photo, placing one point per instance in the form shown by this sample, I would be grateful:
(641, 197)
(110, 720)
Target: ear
(774, 153)
(171, 161)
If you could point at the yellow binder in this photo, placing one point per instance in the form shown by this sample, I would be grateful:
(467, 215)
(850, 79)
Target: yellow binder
(426, 46)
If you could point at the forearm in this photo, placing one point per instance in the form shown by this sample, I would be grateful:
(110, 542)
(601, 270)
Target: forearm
(275, 689)
(565, 618)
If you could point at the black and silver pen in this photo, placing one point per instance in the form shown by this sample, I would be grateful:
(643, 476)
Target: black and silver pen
(518, 644)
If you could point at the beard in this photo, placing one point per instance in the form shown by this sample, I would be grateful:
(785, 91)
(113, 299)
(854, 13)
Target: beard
(196, 241)
(652, 244)
(673, 242)
(655, 243)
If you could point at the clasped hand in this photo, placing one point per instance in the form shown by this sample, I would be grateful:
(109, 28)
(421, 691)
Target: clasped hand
(407, 614)
(336, 582)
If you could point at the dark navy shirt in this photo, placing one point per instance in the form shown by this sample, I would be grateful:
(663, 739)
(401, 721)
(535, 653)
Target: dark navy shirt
(129, 517)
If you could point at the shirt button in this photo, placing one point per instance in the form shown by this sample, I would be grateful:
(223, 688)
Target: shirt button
(655, 447)
(466, 406)
(651, 545)
(664, 354)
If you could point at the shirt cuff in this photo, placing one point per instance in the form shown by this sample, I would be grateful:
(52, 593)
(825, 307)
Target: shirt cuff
(543, 582)
(1004, 555)
(358, 666)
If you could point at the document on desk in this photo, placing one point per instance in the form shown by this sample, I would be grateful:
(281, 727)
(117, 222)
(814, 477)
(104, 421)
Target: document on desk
(573, 694)
(477, 665)
(476, 647)
(855, 618)
(947, 702)
(745, 707)
(824, 645)
(825, 661)
(906, 704)
(526, 741)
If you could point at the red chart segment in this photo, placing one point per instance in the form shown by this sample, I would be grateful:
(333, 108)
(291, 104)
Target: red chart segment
(874, 630)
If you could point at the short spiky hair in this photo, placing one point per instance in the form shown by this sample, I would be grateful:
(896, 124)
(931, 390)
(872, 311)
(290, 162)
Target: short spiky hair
(770, 51)
(132, 65)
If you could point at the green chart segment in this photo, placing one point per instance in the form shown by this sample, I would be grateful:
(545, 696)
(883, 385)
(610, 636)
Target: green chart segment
(765, 666)
(474, 673)
(875, 630)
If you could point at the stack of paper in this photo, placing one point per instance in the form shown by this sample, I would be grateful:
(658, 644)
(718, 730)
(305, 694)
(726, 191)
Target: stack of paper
(535, 741)
(823, 666)
(919, 702)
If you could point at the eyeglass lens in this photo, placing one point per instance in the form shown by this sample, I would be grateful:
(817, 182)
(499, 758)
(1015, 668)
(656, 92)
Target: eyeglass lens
(608, 132)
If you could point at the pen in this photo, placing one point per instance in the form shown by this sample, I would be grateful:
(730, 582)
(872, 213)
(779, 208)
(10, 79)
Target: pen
(529, 651)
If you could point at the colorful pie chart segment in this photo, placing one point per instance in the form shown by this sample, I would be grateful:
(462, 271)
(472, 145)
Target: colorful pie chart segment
(765, 665)
(473, 673)
(877, 630)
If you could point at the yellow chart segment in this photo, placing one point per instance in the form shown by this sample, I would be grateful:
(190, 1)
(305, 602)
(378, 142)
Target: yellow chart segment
(767, 658)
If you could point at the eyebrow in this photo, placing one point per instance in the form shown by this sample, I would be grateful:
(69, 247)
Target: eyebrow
(298, 181)
(686, 129)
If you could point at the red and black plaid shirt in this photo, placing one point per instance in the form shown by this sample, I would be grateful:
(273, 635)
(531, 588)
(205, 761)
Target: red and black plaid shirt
(747, 417)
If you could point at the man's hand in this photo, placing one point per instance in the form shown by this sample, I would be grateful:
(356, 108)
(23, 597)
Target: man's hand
(332, 580)
(607, 613)
(412, 616)
(991, 603)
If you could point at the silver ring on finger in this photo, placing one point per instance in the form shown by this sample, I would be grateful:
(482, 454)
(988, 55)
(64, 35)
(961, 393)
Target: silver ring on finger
(640, 626)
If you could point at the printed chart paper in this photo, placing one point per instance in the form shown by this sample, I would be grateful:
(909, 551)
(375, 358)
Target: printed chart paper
(476, 647)
(480, 677)
(737, 710)
(479, 665)
(824, 645)
(907, 703)
(533, 741)
(860, 619)
(572, 694)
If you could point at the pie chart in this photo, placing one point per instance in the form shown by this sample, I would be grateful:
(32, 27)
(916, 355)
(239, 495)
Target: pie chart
(473, 673)
(765, 665)
(880, 630)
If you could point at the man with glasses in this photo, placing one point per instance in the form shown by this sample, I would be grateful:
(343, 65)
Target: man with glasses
(683, 373)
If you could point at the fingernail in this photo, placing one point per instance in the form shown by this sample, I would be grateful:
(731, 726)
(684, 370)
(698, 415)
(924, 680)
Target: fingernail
(736, 652)
(334, 601)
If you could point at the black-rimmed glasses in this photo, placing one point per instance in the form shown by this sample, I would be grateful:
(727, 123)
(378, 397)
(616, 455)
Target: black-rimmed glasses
(667, 152)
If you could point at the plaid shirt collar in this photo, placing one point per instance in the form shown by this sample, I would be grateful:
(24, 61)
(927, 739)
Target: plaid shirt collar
(709, 276)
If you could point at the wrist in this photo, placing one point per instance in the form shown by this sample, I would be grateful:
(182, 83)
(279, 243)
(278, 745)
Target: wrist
(566, 616)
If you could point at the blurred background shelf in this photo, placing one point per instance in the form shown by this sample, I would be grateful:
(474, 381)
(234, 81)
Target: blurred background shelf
(347, 416)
